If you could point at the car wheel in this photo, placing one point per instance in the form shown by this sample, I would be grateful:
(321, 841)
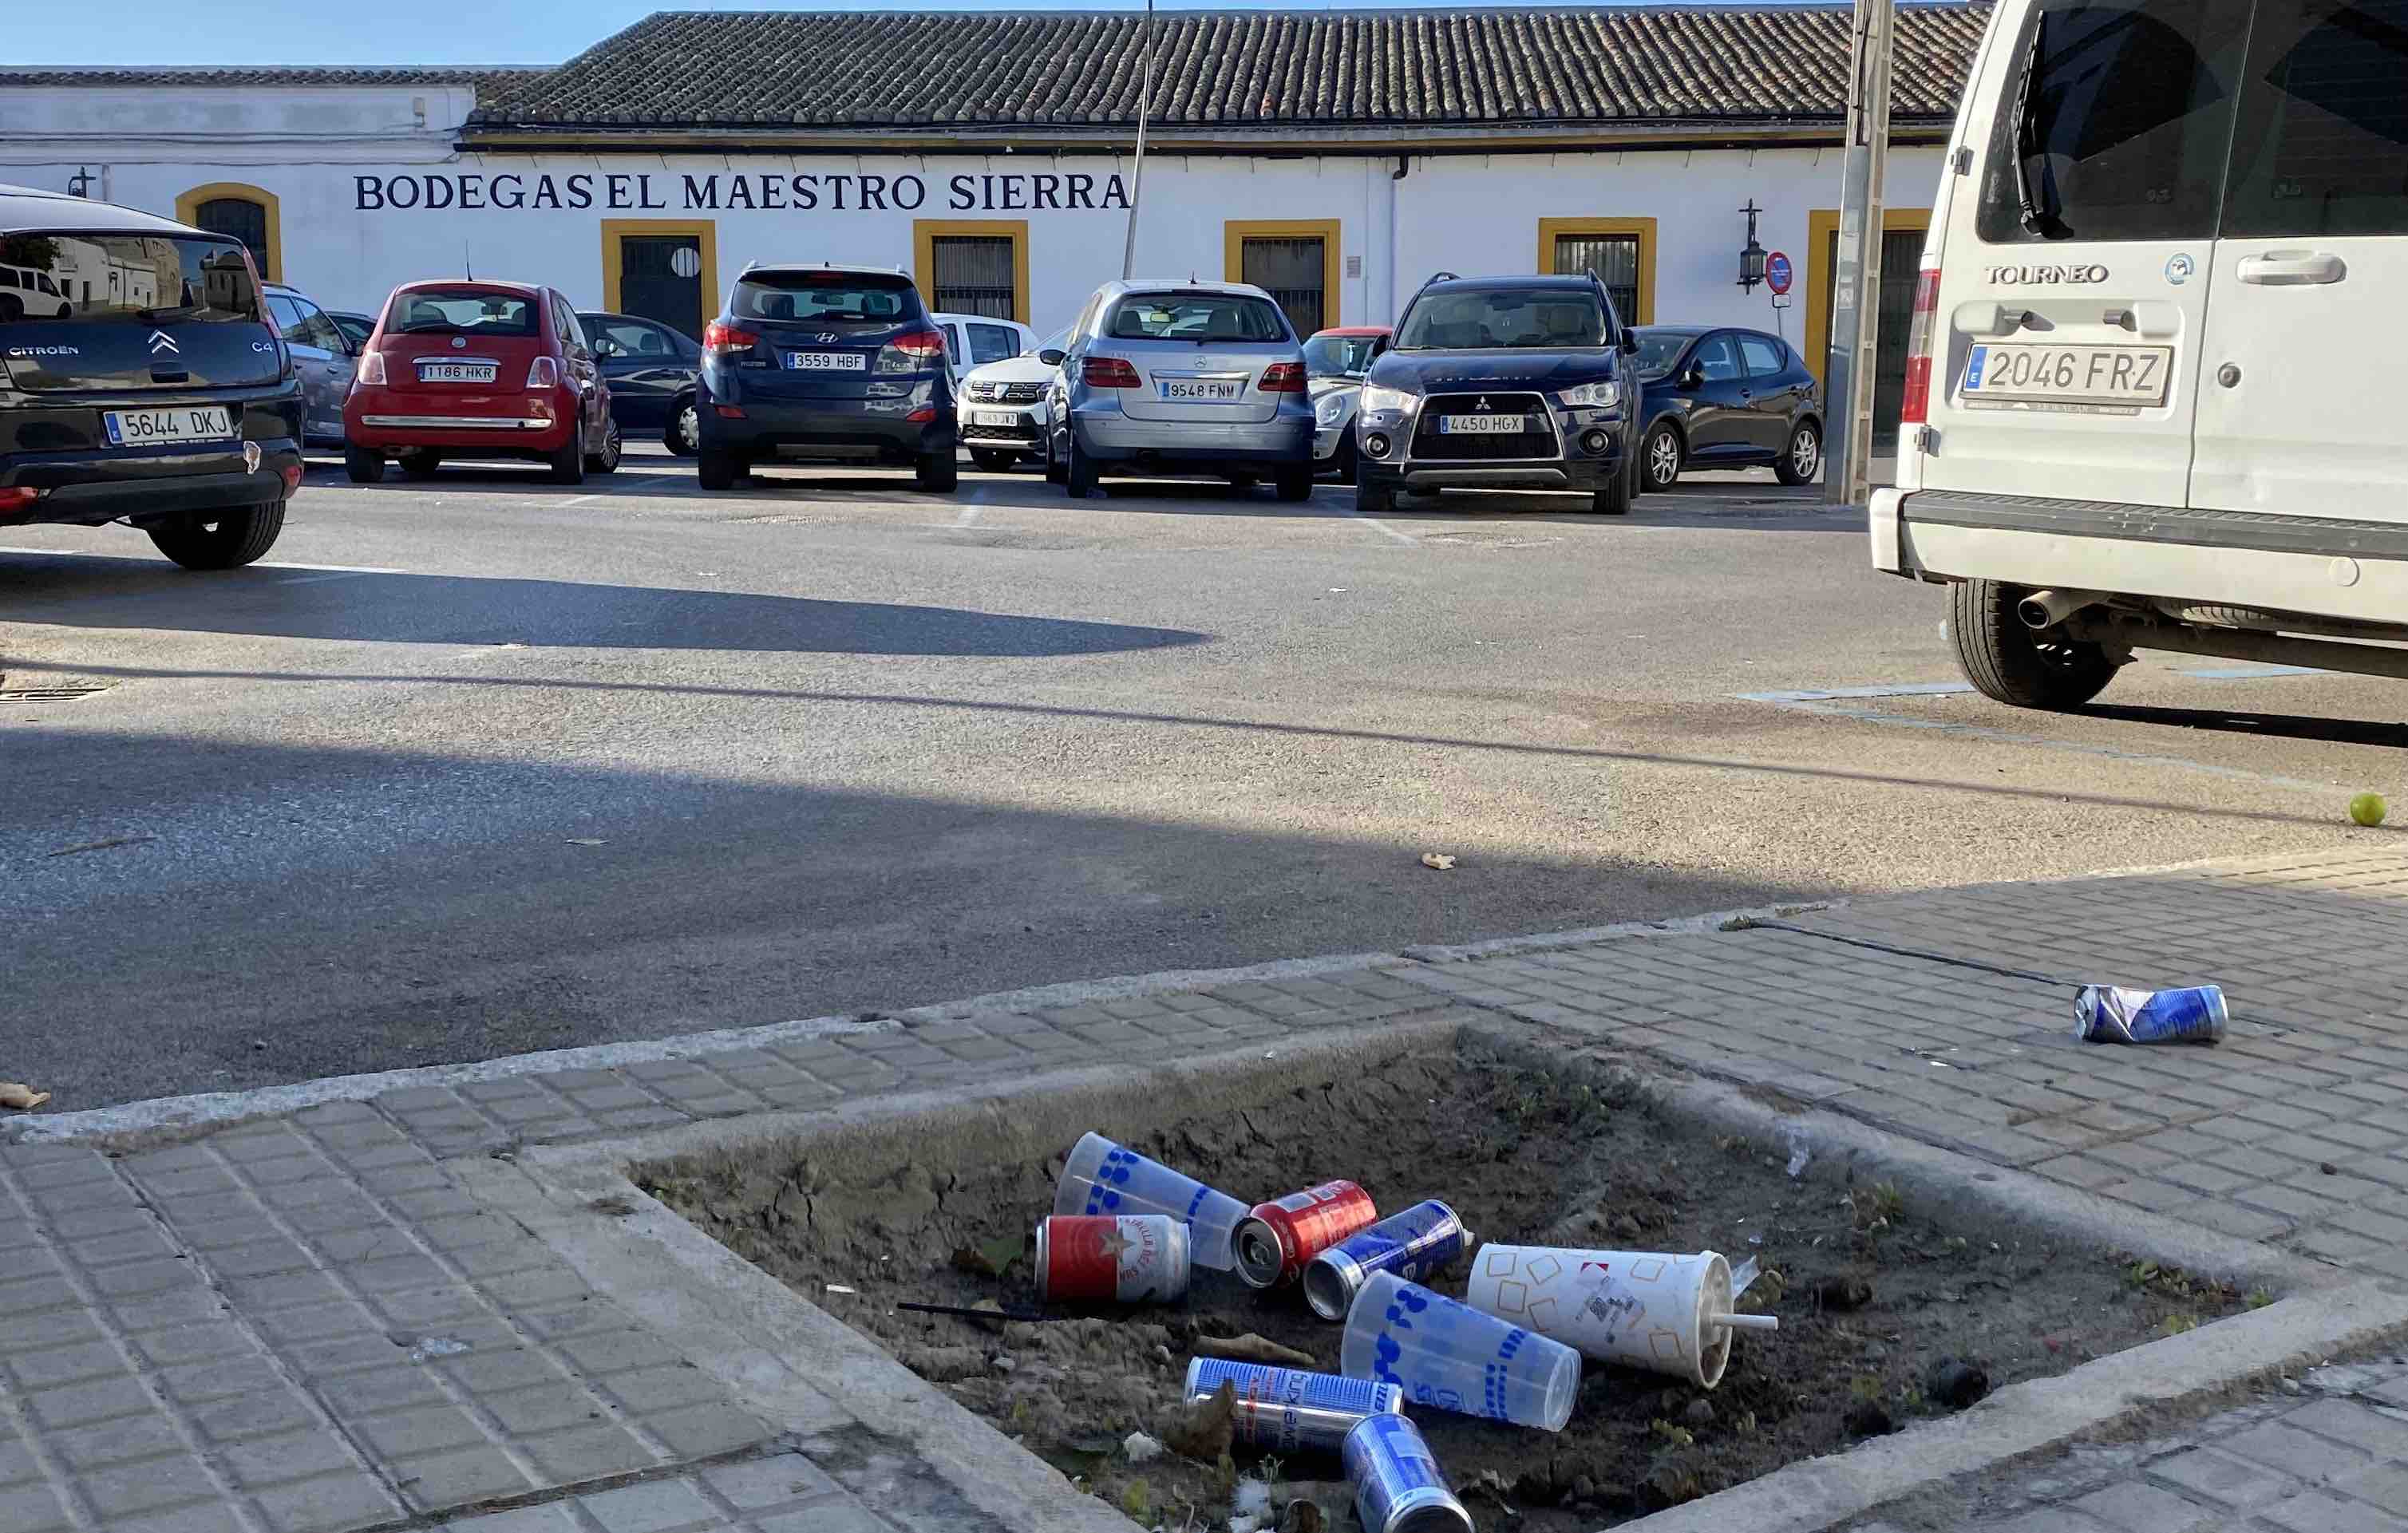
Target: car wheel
(1614, 499)
(1294, 484)
(366, 467)
(1803, 457)
(419, 462)
(221, 539)
(1079, 477)
(715, 468)
(683, 435)
(1243, 483)
(1374, 498)
(1053, 464)
(613, 447)
(1659, 457)
(568, 463)
(2012, 664)
(938, 473)
(1346, 458)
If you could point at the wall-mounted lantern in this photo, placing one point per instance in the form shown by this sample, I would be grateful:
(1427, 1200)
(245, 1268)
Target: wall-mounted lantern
(80, 184)
(1751, 255)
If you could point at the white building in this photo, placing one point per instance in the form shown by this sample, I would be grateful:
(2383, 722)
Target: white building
(1335, 158)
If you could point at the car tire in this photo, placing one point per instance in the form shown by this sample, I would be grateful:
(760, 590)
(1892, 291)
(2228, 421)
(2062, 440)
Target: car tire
(366, 467)
(233, 540)
(1346, 457)
(1803, 457)
(1294, 484)
(682, 436)
(2009, 663)
(1614, 499)
(938, 473)
(716, 468)
(995, 460)
(1079, 477)
(568, 463)
(418, 463)
(615, 446)
(1053, 464)
(1374, 498)
(1660, 457)
(1243, 483)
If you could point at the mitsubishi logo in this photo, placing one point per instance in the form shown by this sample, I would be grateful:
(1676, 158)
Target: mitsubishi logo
(1484, 402)
(161, 341)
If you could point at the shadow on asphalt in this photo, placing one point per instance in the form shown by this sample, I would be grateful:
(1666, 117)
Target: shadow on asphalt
(2290, 726)
(85, 591)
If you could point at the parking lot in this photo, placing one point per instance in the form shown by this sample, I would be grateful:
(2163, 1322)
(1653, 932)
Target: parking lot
(482, 765)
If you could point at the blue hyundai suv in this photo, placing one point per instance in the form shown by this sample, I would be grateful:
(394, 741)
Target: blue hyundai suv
(824, 364)
(1501, 382)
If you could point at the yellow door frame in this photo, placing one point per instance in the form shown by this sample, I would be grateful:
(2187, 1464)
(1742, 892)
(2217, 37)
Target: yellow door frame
(704, 231)
(1821, 225)
(1553, 229)
(187, 210)
(925, 232)
(1235, 232)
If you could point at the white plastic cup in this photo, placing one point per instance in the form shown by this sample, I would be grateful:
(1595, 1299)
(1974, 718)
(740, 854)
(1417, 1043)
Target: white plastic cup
(1101, 1177)
(1454, 1358)
(1650, 1310)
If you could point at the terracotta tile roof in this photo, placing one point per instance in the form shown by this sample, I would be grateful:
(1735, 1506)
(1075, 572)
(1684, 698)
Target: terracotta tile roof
(1236, 70)
(491, 81)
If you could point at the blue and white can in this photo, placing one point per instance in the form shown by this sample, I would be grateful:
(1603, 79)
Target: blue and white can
(2108, 1014)
(1412, 1244)
(1398, 1488)
(1285, 1408)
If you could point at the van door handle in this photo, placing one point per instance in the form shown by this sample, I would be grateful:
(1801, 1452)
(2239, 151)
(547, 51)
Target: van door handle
(2292, 268)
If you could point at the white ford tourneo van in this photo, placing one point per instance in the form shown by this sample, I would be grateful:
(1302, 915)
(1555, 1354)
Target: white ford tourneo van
(2166, 277)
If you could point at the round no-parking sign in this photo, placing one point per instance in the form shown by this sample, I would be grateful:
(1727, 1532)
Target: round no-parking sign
(1777, 273)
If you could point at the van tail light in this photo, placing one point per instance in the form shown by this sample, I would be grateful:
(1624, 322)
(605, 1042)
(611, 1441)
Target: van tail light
(543, 373)
(1108, 373)
(914, 351)
(1283, 377)
(372, 369)
(721, 336)
(1915, 407)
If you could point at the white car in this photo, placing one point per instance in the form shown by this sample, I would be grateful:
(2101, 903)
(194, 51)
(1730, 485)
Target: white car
(1002, 412)
(973, 340)
(2144, 404)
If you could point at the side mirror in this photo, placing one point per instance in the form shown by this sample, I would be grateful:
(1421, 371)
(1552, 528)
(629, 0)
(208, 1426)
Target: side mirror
(1630, 342)
(1378, 347)
(1050, 357)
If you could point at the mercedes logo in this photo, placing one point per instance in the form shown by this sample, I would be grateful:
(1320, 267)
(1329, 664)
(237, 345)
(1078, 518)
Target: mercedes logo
(161, 341)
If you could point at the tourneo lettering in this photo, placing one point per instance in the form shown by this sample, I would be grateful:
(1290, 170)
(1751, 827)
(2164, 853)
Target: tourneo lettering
(510, 191)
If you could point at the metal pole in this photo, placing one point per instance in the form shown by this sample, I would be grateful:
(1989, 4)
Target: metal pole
(1856, 299)
(1137, 179)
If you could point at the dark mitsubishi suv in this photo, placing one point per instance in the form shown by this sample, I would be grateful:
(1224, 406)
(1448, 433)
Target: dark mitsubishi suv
(140, 381)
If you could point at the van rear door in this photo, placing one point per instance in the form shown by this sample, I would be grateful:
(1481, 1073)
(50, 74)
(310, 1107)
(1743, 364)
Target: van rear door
(2075, 264)
(2312, 271)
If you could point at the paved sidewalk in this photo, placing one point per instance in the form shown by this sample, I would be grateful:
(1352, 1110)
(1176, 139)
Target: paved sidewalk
(304, 1324)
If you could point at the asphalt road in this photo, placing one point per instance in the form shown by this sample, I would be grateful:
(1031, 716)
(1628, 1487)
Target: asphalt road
(482, 766)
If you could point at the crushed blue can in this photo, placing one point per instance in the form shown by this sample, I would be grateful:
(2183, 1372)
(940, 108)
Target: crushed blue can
(1398, 1488)
(1412, 1244)
(2106, 1013)
(1286, 1409)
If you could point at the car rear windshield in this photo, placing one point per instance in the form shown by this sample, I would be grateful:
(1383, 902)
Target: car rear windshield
(835, 299)
(1195, 316)
(1660, 348)
(1485, 317)
(1338, 356)
(123, 278)
(425, 311)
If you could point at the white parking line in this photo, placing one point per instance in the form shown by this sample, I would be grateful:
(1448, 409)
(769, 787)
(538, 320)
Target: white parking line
(1377, 526)
(263, 564)
(621, 489)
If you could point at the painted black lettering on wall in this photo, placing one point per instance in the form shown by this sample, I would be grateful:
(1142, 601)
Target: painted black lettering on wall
(476, 192)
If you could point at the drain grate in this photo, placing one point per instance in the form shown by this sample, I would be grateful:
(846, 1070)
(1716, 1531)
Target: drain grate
(45, 695)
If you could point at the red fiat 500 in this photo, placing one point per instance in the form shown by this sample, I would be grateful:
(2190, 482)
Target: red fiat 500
(471, 369)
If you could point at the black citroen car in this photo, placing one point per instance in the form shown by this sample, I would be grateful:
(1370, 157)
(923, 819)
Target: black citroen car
(140, 381)
(1501, 382)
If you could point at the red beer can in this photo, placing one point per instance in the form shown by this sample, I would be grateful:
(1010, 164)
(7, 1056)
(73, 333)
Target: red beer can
(1135, 1258)
(1274, 1240)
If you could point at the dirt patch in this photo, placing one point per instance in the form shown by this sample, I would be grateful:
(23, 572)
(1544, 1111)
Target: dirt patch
(1883, 1312)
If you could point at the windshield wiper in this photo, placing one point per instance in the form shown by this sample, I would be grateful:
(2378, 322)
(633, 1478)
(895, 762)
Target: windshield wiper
(2027, 210)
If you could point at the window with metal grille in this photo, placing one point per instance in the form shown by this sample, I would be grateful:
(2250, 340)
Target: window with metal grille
(241, 219)
(1289, 269)
(1614, 260)
(974, 275)
(1901, 258)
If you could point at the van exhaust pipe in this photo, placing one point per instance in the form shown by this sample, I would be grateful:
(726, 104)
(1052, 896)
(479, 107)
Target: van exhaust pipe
(2047, 609)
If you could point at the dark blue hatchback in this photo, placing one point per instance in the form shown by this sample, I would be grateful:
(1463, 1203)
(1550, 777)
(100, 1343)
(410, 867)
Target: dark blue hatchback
(1724, 398)
(824, 365)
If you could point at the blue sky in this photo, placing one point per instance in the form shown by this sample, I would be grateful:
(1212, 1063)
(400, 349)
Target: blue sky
(428, 32)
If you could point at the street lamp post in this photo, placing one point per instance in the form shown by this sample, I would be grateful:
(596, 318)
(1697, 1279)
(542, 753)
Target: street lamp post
(1137, 175)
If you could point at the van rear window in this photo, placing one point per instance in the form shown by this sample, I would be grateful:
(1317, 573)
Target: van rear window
(2322, 141)
(2115, 121)
(125, 278)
